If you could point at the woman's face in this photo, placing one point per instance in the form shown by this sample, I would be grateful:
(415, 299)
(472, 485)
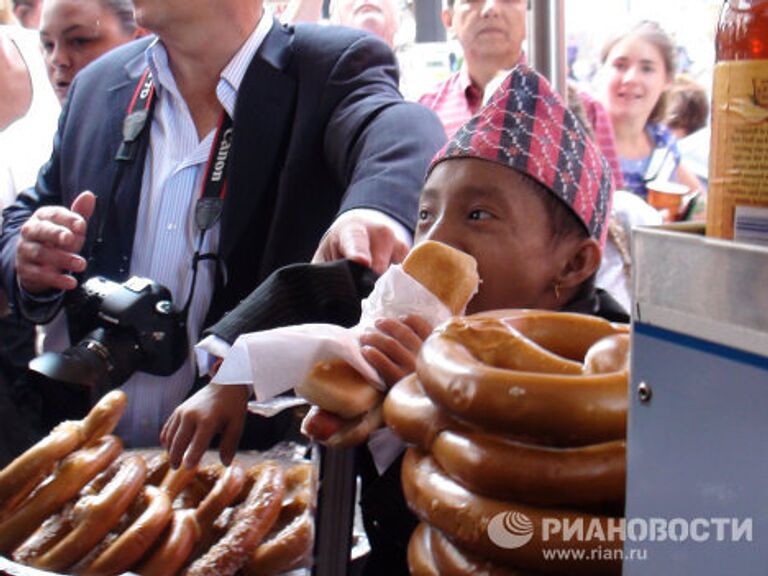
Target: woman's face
(492, 213)
(636, 78)
(73, 33)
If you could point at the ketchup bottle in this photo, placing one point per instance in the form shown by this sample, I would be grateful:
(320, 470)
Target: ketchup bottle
(737, 204)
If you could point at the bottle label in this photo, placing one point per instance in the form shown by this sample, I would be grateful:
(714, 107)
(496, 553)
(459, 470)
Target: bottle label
(738, 165)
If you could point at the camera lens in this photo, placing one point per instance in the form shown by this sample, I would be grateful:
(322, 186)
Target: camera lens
(103, 359)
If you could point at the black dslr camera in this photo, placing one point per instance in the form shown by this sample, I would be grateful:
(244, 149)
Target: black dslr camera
(119, 329)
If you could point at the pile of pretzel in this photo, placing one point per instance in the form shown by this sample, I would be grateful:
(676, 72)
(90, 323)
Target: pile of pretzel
(76, 503)
(514, 417)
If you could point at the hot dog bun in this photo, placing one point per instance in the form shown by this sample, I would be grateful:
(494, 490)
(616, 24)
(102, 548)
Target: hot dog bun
(449, 274)
(337, 387)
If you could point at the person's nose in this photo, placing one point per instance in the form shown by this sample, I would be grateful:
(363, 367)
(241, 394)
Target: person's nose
(440, 231)
(59, 57)
(630, 74)
(488, 7)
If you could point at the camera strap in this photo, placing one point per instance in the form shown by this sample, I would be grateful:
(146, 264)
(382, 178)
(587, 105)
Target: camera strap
(210, 201)
(139, 111)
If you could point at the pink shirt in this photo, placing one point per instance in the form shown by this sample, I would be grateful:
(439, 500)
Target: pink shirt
(455, 100)
(603, 130)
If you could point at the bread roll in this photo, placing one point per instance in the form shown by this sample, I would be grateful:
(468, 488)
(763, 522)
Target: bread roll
(337, 387)
(449, 274)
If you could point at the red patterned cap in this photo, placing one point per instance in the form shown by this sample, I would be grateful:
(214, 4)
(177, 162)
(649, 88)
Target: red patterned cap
(526, 126)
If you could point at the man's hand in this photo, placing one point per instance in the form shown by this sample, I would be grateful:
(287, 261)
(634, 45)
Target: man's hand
(49, 246)
(393, 347)
(364, 236)
(215, 408)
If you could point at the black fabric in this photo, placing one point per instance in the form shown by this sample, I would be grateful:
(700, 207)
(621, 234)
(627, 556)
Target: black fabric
(388, 521)
(296, 294)
(598, 302)
(300, 294)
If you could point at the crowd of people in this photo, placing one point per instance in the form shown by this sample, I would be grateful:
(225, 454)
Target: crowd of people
(321, 176)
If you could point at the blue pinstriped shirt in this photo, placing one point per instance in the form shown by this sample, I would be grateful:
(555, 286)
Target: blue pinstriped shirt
(166, 235)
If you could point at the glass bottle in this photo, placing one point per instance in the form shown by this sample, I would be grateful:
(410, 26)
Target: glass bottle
(738, 166)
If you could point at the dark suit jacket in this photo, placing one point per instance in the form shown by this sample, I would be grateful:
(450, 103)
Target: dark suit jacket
(320, 128)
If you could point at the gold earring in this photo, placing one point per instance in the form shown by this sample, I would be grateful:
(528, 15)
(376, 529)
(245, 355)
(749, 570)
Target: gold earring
(557, 290)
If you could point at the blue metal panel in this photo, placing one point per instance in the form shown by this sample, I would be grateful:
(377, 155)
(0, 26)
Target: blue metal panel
(698, 450)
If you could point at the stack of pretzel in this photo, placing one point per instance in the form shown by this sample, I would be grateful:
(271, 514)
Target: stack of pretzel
(76, 503)
(514, 417)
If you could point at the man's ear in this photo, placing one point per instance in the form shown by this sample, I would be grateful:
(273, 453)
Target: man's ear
(581, 263)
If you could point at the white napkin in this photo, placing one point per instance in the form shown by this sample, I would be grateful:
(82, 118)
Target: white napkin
(274, 361)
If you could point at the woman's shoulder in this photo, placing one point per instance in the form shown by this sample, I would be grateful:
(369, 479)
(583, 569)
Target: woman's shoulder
(661, 134)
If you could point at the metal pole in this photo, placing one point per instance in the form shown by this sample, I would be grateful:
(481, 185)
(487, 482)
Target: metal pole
(429, 26)
(548, 41)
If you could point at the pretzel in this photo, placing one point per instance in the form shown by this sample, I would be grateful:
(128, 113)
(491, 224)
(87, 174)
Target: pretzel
(413, 416)
(75, 471)
(451, 561)
(465, 517)
(157, 467)
(176, 546)
(55, 527)
(420, 561)
(191, 528)
(251, 523)
(95, 515)
(176, 480)
(20, 477)
(579, 477)
(558, 409)
(104, 416)
(289, 542)
(567, 334)
(131, 544)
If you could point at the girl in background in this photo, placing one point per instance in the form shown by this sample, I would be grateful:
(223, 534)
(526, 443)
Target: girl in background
(639, 66)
